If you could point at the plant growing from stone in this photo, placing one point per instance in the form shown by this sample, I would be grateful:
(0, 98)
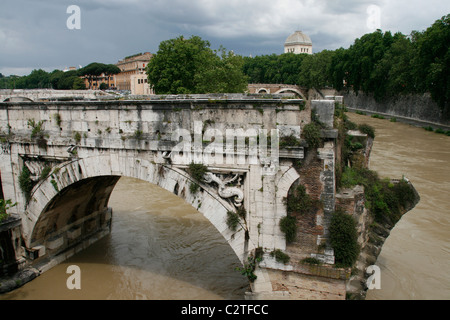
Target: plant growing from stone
(36, 128)
(25, 182)
(5, 205)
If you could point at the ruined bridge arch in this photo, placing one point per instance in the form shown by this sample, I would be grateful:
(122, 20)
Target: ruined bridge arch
(86, 186)
(292, 90)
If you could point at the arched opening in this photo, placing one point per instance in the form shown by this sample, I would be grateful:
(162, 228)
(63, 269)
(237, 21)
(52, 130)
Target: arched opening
(76, 206)
(262, 91)
(294, 91)
(79, 194)
(159, 247)
(18, 99)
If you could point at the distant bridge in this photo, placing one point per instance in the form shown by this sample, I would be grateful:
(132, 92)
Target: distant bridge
(299, 91)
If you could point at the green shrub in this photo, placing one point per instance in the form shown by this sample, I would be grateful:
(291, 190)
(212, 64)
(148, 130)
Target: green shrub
(194, 187)
(383, 199)
(45, 172)
(288, 226)
(344, 239)
(5, 205)
(77, 136)
(350, 125)
(138, 134)
(248, 269)
(289, 141)
(367, 129)
(311, 133)
(404, 192)
(25, 182)
(312, 261)
(298, 201)
(54, 184)
(280, 256)
(232, 220)
(36, 128)
(197, 171)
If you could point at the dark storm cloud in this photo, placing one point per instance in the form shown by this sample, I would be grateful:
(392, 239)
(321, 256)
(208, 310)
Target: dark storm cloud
(33, 34)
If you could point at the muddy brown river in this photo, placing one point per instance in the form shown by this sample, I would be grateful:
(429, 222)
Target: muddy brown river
(162, 248)
(159, 248)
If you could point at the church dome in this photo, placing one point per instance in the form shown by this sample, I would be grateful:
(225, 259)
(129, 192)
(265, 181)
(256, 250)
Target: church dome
(298, 37)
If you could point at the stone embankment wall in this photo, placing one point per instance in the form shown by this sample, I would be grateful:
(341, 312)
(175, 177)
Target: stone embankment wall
(415, 109)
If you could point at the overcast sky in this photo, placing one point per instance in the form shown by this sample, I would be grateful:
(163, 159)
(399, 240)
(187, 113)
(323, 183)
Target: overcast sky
(34, 33)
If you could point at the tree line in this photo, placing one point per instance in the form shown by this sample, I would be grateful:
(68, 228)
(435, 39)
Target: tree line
(382, 64)
(58, 79)
(378, 63)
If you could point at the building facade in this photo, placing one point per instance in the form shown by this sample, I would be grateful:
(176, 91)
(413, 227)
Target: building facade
(132, 74)
(139, 85)
(94, 82)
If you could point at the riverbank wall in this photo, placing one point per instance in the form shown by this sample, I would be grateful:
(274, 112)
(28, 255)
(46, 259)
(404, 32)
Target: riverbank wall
(418, 110)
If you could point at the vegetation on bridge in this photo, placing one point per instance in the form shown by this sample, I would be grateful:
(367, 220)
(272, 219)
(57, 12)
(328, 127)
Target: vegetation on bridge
(386, 201)
(5, 205)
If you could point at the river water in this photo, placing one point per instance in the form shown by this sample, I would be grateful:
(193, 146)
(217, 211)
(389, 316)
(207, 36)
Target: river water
(162, 248)
(415, 258)
(159, 248)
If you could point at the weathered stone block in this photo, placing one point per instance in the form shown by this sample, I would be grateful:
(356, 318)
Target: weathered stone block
(55, 243)
(324, 110)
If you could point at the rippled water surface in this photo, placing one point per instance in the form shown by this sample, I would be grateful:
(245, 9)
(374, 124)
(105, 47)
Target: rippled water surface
(159, 248)
(415, 259)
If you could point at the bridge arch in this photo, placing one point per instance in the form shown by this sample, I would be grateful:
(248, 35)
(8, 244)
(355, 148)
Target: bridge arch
(262, 90)
(292, 90)
(85, 185)
(17, 99)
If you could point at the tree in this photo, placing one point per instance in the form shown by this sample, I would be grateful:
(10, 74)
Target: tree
(37, 79)
(221, 74)
(173, 68)
(315, 71)
(393, 73)
(283, 68)
(432, 61)
(95, 69)
(184, 66)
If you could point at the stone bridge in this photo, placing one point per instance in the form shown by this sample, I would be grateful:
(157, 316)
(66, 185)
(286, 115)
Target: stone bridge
(292, 89)
(60, 161)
